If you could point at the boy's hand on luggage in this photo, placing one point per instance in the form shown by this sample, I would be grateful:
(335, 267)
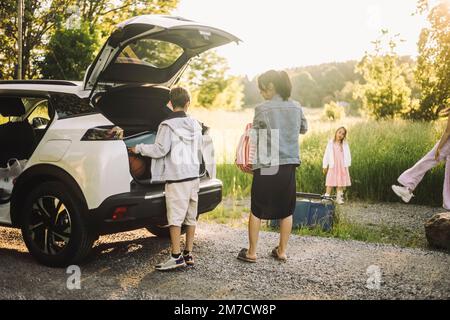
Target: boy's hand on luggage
(132, 150)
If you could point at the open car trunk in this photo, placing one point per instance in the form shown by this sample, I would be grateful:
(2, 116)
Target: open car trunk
(129, 79)
(138, 110)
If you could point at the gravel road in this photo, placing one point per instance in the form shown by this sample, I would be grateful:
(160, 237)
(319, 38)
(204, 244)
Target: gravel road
(379, 214)
(399, 215)
(121, 267)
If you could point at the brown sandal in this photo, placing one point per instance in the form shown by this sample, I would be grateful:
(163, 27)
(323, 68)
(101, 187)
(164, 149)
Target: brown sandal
(243, 256)
(277, 256)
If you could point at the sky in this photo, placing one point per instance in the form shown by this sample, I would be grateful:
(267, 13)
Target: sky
(279, 34)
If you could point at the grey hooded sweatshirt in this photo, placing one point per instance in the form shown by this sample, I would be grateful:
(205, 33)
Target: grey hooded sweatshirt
(176, 152)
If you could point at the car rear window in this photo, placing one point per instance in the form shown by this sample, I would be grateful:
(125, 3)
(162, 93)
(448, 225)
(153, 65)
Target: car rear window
(150, 52)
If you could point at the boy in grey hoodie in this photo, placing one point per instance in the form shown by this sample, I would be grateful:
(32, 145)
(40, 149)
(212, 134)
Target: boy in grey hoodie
(176, 161)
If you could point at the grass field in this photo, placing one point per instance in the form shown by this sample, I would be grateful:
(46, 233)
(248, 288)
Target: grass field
(381, 151)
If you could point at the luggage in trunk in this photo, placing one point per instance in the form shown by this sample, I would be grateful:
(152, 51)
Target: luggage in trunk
(144, 175)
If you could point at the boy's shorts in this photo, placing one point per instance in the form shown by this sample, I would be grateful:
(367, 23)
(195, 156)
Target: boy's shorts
(182, 202)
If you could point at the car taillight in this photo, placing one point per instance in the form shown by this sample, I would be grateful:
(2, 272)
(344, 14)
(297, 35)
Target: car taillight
(119, 212)
(103, 133)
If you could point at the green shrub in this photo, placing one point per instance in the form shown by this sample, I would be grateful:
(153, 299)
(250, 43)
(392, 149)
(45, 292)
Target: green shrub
(333, 111)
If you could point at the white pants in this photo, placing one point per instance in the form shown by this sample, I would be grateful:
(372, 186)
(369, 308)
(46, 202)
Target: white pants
(412, 177)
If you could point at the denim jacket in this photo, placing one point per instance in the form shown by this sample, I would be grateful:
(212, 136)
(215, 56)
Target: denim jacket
(276, 127)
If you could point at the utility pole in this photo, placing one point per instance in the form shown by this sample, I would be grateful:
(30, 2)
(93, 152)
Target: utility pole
(20, 37)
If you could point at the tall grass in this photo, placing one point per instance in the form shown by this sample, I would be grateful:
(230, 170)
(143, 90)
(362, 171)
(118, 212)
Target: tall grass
(381, 151)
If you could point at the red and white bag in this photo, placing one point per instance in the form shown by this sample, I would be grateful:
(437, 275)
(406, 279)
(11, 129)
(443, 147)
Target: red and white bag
(245, 151)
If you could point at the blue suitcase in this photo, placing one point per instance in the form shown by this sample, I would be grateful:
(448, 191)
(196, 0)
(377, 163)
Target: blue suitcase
(312, 210)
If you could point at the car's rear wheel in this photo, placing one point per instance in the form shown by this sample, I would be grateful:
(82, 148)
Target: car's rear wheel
(163, 231)
(53, 227)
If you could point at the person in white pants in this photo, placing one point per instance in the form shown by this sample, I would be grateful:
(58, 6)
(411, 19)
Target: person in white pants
(412, 177)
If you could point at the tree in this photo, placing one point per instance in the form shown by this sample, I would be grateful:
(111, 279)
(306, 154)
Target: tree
(332, 81)
(385, 93)
(43, 17)
(69, 53)
(305, 90)
(206, 78)
(433, 64)
(103, 15)
(252, 95)
(232, 97)
(315, 85)
(39, 19)
(333, 111)
(349, 94)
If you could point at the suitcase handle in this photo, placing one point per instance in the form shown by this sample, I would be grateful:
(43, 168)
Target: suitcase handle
(315, 196)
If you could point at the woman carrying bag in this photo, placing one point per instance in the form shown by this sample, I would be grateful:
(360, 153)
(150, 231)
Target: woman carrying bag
(274, 144)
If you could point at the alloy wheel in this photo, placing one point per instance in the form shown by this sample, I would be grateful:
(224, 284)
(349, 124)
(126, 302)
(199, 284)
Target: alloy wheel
(50, 225)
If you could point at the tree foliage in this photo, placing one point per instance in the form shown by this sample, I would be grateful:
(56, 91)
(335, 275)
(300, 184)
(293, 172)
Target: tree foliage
(42, 18)
(305, 89)
(333, 111)
(433, 64)
(103, 15)
(39, 20)
(385, 93)
(61, 63)
(232, 97)
(312, 86)
(206, 79)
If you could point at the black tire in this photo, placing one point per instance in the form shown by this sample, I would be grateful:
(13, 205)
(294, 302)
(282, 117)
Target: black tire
(53, 227)
(163, 231)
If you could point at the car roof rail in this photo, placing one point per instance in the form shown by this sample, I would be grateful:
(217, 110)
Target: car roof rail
(43, 81)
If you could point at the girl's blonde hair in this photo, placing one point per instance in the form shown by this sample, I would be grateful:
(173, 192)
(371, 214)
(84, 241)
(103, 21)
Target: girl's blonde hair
(345, 136)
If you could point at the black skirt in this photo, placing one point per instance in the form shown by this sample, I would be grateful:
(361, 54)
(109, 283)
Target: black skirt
(274, 195)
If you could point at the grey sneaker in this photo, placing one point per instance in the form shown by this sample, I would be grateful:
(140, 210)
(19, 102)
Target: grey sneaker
(171, 264)
(403, 193)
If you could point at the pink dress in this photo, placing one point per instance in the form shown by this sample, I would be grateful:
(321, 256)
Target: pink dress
(338, 176)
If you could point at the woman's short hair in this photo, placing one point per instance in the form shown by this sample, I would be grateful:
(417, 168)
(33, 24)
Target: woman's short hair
(279, 79)
(179, 97)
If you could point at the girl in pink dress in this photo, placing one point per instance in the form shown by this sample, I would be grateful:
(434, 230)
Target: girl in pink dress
(336, 161)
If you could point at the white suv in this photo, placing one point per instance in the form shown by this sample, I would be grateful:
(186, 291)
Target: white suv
(77, 183)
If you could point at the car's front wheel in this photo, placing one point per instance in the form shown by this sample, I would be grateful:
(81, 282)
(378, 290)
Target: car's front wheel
(53, 227)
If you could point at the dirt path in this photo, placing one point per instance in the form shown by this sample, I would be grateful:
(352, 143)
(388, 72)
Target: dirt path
(121, 267)
(388, 214)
